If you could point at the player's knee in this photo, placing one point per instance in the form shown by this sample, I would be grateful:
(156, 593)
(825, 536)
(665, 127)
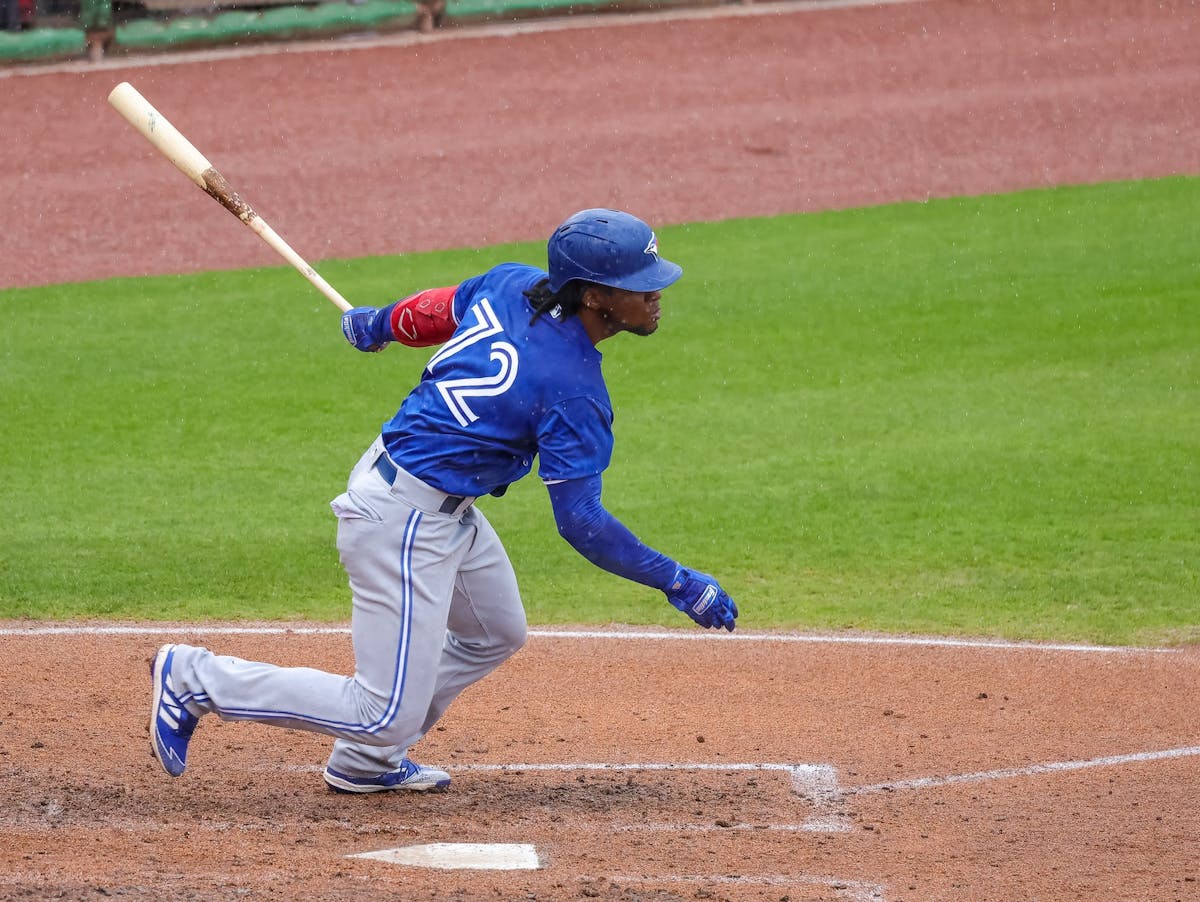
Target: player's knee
(503, 637)
(500, 643)
(511, 637)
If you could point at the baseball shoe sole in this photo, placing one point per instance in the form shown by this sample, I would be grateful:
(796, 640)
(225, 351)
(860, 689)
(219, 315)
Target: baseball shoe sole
(171, 724)
(410, 776)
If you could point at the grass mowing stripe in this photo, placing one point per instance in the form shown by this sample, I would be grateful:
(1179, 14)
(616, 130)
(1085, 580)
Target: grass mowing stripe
(972, 416)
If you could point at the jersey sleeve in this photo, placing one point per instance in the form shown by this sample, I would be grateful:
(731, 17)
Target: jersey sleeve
(575, 440)
(602, 538)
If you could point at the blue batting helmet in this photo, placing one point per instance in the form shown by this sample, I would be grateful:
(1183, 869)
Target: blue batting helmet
(610, 248)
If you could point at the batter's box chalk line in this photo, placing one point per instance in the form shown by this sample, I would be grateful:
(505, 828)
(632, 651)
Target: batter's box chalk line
(1030, 770)
(817, 783)
(850, 890)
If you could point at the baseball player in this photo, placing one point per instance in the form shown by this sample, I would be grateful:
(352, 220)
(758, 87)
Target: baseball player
(435, 599)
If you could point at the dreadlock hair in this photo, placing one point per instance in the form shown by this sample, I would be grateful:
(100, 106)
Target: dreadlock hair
(568, 298)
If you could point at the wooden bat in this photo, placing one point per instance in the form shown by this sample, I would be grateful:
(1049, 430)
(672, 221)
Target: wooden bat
(180, 151)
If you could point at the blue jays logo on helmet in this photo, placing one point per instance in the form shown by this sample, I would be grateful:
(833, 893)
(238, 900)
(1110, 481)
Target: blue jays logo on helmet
(610, 248)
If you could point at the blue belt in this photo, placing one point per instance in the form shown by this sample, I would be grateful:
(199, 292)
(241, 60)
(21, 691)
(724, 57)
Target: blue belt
(385, 468)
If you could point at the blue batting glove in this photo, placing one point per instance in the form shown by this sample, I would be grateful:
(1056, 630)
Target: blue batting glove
(701, 597)
(368, 328)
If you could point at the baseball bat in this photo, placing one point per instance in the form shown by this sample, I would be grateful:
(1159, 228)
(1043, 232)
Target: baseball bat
(126, 100)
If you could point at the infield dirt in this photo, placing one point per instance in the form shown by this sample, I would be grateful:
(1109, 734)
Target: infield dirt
(1017, 804)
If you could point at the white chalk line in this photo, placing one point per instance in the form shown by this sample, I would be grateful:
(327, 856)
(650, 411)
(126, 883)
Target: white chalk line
(816, 783)
(353, 40)
(802, 775)
(856, 890)
(617, 635)
(806, 779)
(819, 784)
(1031, 770)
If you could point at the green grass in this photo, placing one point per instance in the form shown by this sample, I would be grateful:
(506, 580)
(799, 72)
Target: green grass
(973, 416)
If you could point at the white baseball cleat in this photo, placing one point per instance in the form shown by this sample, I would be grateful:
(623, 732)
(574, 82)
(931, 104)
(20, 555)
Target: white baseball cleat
(409, 776)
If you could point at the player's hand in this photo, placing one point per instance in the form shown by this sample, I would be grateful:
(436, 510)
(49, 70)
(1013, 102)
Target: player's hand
(701, 597)
(367, 328)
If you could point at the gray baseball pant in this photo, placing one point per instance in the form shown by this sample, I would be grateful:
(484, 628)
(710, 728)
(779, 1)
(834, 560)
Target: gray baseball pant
(435, 608)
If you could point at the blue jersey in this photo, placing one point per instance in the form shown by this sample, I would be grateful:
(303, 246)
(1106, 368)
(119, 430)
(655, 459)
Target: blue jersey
(502, 391)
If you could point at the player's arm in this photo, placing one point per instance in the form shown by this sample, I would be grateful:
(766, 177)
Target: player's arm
(601, 538)
(418, 321)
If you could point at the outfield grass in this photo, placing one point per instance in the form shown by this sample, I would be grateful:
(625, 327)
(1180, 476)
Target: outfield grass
(972, 416)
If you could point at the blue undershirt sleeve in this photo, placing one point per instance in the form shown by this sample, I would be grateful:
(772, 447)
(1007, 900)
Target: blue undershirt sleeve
(602, 538)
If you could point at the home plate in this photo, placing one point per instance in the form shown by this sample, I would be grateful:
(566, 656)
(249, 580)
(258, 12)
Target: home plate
(461, 855)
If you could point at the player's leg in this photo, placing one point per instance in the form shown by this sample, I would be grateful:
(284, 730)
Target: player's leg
(402, 564)
(486, 626)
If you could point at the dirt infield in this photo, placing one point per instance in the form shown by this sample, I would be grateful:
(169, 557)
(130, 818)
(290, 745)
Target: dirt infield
(797, 769)
(678, 767)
